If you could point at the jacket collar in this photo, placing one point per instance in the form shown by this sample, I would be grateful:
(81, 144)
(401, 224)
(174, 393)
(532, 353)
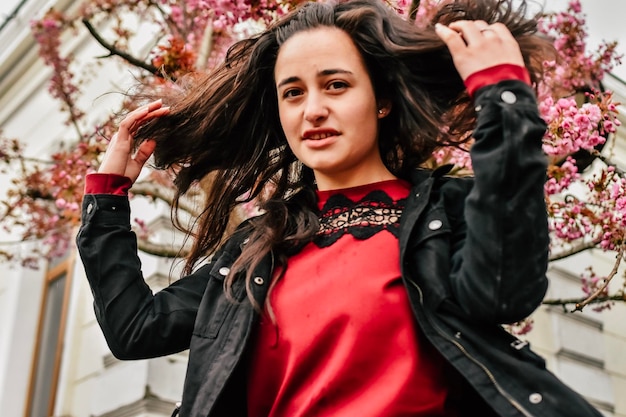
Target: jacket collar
(422, 181)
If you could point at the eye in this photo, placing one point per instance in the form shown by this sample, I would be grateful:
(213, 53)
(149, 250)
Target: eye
(337, 85)
(291, 92)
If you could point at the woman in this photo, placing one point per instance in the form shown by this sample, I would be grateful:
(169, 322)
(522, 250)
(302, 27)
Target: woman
(369, 287)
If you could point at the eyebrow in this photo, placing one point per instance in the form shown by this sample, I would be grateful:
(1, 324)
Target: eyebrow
(322, 73)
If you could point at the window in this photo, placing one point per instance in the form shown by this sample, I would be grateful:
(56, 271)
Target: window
(47, 356)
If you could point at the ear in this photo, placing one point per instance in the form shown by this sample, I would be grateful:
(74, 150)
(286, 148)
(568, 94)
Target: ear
(384, 107)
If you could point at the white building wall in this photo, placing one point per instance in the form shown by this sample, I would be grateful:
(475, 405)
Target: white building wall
(20, 292)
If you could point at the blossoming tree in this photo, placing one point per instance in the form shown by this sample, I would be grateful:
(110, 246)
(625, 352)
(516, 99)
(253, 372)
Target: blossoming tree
(586, 202)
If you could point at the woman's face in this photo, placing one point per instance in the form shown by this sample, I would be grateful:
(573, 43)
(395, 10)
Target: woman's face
(328, 109)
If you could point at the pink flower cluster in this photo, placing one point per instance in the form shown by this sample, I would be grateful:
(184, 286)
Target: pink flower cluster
(521, 327)
(608, 191)
(600, 216)
(571, 219)
(572, 127)
(49, 195)
(560, 177)
(47, 32)
(591, 283)
(192, 18)
(452, 155)
(577, 68)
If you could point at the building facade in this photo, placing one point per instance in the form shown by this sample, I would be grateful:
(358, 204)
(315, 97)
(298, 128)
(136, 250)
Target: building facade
(54, 360)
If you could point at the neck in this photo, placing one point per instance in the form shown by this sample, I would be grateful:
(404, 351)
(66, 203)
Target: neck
(338, 181)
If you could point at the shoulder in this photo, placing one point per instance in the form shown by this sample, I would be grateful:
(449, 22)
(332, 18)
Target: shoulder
(443, 182)
(447, 192)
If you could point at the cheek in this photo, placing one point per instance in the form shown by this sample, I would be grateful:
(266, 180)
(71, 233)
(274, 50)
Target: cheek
(290, 125)
(366, 118)
(367, 110)
(286, 121)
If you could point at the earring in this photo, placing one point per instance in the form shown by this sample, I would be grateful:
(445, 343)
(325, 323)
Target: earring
(380, 111)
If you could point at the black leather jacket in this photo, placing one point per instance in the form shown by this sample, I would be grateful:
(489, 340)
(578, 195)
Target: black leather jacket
(474, 254)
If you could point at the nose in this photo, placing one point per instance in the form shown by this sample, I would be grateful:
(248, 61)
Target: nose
(315, 109)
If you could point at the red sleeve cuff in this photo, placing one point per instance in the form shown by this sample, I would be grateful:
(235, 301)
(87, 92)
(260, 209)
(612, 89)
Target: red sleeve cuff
(107, 184)
(495, 74)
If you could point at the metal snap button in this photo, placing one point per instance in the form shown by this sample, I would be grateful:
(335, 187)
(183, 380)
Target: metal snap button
(518, 344)
(89, 208)
(435, 225)
(259, 281)
(508, 97)
(224, 271)
(535, 398)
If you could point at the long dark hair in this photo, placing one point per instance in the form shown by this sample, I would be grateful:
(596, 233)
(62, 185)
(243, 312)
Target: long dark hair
(226, 122)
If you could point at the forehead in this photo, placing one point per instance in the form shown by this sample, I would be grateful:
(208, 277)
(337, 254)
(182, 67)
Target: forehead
(316, 49)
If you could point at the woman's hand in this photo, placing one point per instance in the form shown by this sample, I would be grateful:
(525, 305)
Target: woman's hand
(118, 158)
(476, 45)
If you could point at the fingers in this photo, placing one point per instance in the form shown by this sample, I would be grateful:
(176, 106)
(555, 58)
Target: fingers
(477, 45)
(139, 159)
(451, 38)
(118, 158)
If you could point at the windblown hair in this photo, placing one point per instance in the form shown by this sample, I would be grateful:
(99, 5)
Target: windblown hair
(226, 122)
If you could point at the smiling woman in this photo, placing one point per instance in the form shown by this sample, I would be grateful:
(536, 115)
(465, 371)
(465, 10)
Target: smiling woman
(369, 286)
(328, 109)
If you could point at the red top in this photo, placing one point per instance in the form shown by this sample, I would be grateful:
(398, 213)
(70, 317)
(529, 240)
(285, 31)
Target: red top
(345, 342)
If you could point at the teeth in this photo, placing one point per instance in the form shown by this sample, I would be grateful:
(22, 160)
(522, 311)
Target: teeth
(320, 136)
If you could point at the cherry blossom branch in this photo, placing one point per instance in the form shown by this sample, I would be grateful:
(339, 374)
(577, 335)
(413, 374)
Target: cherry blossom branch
(575, 249)
(607, 281)
(564, 302)
(205, 47)
(608, 162)
(158, 249)
(159, 192)
(170, 23)
(47, 33)
(113, 51)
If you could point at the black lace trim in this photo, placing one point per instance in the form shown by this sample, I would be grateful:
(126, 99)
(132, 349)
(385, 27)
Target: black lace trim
(362, 219)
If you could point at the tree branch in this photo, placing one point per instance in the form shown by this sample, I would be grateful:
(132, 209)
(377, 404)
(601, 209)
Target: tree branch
(577, 301)
(160, 192)
(607, 280)
(205, 47)
(574, 250)
(171, 23)
(161, 250)
(114, 51)
(608, 162)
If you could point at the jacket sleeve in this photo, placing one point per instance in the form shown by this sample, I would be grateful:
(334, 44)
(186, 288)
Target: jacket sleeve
(135, 323)
(498, 268)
